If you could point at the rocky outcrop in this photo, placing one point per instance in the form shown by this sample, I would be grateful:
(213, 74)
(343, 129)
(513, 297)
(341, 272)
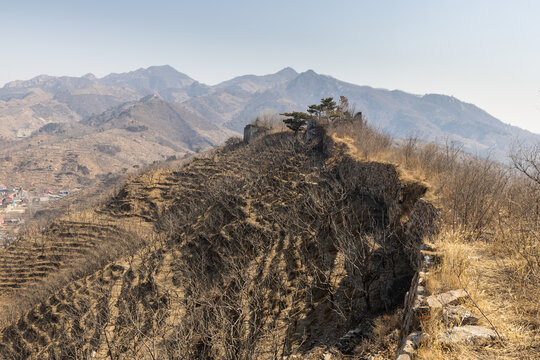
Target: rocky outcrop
(254, 130)
(314, 131)
(251, 132)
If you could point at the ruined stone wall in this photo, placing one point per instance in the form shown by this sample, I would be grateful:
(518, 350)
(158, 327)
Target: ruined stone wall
(422, 224)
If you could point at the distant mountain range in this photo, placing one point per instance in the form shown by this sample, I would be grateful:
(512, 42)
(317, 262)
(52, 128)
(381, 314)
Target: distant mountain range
(150, 114)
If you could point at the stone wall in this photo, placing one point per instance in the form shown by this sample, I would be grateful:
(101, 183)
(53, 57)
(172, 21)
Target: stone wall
(413, 309)
(461, 325)
(423, 224)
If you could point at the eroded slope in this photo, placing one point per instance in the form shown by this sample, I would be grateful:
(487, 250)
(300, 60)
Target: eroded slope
(255, 251)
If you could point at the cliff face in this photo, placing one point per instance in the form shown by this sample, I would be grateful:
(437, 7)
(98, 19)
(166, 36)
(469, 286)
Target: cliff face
(255, 251)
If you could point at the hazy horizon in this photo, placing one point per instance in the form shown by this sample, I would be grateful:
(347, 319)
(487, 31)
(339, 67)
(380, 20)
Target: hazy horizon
(482, 53)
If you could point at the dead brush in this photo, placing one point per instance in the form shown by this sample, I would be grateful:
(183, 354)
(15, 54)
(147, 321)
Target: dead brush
(382, 344)
(491, 244)
(369, 142)
(257, 259)
(94, 260)
(273, 246)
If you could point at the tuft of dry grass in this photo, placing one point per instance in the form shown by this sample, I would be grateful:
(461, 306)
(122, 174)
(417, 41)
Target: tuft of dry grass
(454, 262)
(382, 344)
(495, 298)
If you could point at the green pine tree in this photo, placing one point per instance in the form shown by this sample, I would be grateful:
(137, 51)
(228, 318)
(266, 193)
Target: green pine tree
(296, 120)
(326, 109)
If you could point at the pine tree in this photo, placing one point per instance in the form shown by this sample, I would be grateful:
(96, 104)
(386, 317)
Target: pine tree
(315, 110)
(328, 105)
(296, 120)
(327, 109)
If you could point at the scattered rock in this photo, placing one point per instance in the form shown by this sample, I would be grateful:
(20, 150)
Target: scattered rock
(412, 342)
(458, 315)
(445, 299)
(403, 357)
(468, 335)
(347, 342)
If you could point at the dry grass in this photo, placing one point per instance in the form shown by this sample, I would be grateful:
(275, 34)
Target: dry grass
(451, 272)
(254, 251)
(382, 344)
(490, 238)
(495, 298)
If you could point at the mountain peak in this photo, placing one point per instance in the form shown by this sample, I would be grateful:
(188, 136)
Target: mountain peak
(308, 75)
(287, 71)
(260, 83)
(161, 67)
(90, 76)
(149, 80)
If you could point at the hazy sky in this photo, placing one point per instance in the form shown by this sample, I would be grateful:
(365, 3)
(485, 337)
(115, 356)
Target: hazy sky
(486, 52)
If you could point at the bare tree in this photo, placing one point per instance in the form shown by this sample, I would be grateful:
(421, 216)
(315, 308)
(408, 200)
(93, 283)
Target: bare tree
(526, 159)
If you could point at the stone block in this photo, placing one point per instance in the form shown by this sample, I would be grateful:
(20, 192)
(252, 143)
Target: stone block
(458, 315)
(448, 298)
(468, 335)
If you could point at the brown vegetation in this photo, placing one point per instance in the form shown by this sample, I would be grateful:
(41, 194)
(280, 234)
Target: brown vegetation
(489, 237)
(277, 249)
(253, 251)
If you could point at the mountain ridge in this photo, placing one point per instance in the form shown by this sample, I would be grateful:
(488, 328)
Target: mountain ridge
(25, 106)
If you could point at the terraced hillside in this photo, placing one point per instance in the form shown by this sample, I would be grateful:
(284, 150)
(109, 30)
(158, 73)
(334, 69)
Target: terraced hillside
(117, 141)
(255, 251)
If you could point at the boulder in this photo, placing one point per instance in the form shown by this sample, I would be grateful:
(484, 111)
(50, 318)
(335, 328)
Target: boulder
(431, 257)
(468, 335)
